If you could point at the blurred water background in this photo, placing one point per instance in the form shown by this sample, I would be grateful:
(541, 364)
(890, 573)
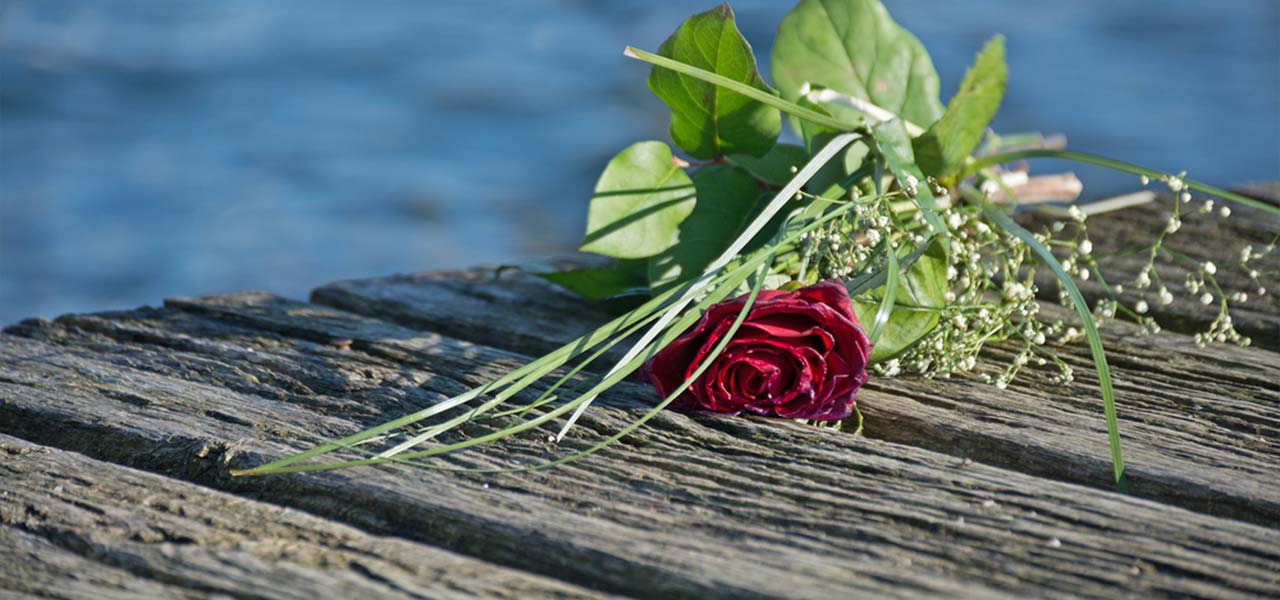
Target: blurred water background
(150, 149)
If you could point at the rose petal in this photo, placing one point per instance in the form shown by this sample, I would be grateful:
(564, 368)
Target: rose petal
(799, 354)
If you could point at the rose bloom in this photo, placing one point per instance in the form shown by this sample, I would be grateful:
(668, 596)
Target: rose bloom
(799, 354)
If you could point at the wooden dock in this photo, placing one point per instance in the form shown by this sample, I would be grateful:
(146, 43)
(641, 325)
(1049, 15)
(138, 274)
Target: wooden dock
(117, 431)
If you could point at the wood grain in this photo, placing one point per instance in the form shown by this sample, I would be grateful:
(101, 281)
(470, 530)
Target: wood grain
(79, 527)
(685, 508)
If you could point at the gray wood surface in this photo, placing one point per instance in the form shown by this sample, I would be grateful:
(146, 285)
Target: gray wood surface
(957, 488)
(74, 527)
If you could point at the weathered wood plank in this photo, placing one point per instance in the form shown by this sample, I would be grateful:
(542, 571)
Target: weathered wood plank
(687, 507)
(1200, 425)
(78, 527)
(32, 566)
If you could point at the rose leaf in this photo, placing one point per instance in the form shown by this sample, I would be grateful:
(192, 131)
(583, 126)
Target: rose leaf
(708, 121)
(639, 203)
(599, 283)
(855, 48)
(725, 197)
(920, 297)
(942, 150)
(775, 167)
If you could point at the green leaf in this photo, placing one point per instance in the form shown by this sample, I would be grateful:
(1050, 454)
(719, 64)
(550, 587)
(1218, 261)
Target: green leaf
(706, 120)
(639, 203)
(895, 146)
(855, 48)
(942, 150)
(777, 166)
(726, 196)
(598, 283)
(919, 298)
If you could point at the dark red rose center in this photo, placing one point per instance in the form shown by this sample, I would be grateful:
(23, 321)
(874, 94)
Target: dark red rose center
(797, 354)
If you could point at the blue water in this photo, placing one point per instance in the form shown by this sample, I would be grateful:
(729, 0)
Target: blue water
(151, 149)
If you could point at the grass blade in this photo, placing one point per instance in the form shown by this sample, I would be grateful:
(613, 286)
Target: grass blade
(723, 286)
(518, 379)
(1111, 163)
(890, 296)
(790, 108)
(998, 216)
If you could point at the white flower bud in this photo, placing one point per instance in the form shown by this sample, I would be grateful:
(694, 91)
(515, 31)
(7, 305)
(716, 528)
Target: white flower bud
(1224, 212)
(1210, 268)
(1143, 280)
(1141, 307)
(1207, 298)
(1086, 248)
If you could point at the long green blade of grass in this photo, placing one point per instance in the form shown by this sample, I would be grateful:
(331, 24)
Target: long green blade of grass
(520, 378)
(724, 286)
(790, 108)
(515, 381)
(1111, 163)
(998, 216)
(605, 383)
(890, 295)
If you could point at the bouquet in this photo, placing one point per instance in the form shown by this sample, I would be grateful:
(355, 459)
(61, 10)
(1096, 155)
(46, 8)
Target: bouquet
(774, 278)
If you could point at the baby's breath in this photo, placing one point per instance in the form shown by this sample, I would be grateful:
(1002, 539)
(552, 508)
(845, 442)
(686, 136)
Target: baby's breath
(991, 292)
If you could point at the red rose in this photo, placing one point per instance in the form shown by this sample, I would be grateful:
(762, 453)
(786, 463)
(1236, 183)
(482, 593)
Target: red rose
(799, 355)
